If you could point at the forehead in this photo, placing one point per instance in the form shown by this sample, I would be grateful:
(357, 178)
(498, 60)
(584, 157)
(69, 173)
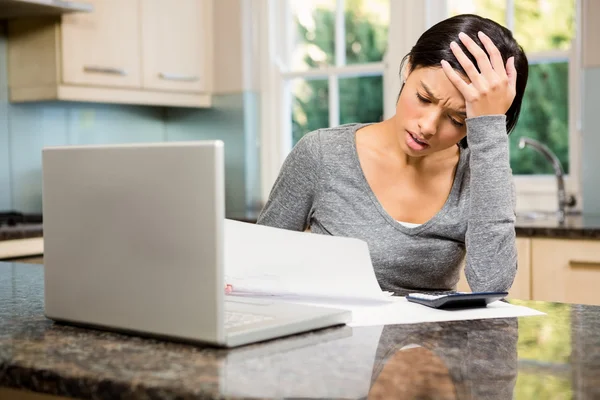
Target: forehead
(438, 83)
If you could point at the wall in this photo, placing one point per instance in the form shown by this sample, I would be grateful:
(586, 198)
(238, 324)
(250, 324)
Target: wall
(26, 128)
(590, 124)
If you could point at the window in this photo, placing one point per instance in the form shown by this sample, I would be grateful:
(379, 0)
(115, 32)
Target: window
(546, 30)
(331, 63)
(324, 67)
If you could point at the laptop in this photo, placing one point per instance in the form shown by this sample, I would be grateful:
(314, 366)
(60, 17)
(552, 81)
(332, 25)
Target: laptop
(133, 242)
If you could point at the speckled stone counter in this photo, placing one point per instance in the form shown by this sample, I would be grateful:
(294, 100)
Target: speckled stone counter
(574, 227)
(21, 231)
(553, 356)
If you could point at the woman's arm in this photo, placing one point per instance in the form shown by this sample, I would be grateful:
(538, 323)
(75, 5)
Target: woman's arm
(490, 240)
(291, 198)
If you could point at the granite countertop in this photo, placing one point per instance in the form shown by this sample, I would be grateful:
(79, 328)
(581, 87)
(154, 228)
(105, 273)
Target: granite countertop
(21, 231)
(553, 356)
(578, 226)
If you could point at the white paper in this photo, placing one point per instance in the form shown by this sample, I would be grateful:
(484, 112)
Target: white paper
(279, 262)
(401, 311)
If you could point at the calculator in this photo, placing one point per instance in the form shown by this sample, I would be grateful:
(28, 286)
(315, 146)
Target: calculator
(456, 300)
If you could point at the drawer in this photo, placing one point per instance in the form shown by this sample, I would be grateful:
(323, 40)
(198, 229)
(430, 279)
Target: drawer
(566, 270)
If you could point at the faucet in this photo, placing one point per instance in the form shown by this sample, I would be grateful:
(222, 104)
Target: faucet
(563, 201)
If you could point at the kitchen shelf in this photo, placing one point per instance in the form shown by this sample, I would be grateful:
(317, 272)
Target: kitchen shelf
(11, 9)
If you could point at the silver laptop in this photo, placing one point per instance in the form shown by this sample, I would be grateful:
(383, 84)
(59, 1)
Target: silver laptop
(133, 241)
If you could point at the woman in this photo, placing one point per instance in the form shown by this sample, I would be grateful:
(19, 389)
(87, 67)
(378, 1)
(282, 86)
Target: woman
(433, 182)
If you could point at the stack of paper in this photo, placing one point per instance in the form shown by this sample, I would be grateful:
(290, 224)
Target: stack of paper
(261, 260)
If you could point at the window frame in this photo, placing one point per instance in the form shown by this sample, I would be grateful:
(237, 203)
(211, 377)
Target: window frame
(276, 77)
(408, 19)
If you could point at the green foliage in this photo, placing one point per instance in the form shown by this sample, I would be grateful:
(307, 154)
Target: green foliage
(361, 99)
(539, 25)
(547, 387)
(545, 117)
(546, 340)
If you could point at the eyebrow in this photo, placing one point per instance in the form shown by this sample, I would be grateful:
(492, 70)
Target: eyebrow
(430, 94)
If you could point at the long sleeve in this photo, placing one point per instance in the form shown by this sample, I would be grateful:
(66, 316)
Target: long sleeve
(491, 263)
(291, 198)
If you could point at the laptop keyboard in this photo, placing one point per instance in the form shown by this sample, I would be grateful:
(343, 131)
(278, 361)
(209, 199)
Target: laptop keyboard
(234, 319)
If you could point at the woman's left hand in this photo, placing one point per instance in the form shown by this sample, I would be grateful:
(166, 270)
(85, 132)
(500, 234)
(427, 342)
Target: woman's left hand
(492, 90)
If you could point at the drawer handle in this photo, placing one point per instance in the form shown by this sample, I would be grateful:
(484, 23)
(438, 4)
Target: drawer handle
(105, 70)
(584, 264)
(180, 78)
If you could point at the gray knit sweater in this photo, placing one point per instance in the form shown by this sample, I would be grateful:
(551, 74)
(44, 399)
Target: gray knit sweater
(321, 185)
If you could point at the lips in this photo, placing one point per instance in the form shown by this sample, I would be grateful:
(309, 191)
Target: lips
(415, 142)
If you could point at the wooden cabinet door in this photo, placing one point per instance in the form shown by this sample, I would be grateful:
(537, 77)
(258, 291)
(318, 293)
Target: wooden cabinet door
(521, 288)
(102, 48)
(174, 44)
(566, 270)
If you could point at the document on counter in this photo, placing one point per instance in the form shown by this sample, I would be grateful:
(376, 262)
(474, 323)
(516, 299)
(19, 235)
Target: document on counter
(401, 311)
(328, 271)
(267, 261)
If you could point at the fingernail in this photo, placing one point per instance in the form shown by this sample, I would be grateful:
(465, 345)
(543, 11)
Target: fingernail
(444, 62)
(462, 35)
(481, 34)
(453, 44)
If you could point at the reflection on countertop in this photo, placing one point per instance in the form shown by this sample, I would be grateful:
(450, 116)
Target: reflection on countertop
(552, 356)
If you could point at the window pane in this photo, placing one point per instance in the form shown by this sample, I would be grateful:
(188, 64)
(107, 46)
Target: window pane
(367, 23)
(492, 9)
(361, 99)
(310, 106)
(313, 33)
(544, 117)
(544, 25)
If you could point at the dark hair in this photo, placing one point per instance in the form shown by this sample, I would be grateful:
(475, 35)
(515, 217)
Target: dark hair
(434, 46)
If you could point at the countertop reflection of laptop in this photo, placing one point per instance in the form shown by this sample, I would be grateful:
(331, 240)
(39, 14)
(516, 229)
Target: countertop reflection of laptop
(133, 238)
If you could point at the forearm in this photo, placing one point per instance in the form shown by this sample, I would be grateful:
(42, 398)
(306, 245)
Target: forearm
(490, 240)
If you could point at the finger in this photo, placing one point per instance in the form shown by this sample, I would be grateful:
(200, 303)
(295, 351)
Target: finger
(494, 53)
(463, 87)
(511, 72)
(483, 61)
(468, 66)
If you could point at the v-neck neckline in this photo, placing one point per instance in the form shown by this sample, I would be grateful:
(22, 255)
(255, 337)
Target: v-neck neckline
(394, 223)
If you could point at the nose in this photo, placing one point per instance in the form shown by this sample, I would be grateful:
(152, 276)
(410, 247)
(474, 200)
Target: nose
(428, 123)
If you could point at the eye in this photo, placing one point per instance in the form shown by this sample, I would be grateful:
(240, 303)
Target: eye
(422, 99)
(455, 122)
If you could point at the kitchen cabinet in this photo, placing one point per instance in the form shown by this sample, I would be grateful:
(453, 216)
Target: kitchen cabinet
(521, 288)
(172, 46)
(566, 270)
(101, 48)
(125, 51)
(19, 250)
(559, 270)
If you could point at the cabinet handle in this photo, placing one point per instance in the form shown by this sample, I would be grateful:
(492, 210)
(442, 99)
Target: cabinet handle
(105, 70)
(584, 263)
(176, 77)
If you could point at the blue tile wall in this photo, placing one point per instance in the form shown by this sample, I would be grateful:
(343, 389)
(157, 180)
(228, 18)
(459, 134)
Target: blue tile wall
(590, 178)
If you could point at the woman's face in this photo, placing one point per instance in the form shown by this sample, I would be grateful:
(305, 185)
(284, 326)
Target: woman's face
(430, 114)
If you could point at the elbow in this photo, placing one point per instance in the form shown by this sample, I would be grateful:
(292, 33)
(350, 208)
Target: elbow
(499, 279)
